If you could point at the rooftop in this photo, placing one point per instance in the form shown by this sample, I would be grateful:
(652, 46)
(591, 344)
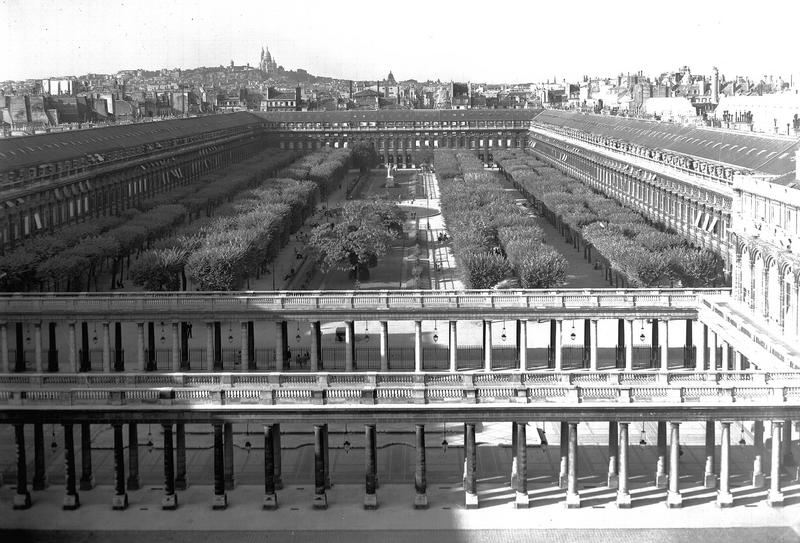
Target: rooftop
(761, 153)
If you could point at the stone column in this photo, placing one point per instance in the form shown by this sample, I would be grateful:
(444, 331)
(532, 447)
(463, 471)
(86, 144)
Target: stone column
(453, 346)
(139, 345)
(702, 349)
(661, 462)
(22, 498)
(37, 345)
(513, 456)
(209, 346)
(320, 498)
(220, 498)
(470, 460)
(133, 457)
(712, 355)
(759, 479)
(573, 498)
(39, 477)
(87, 478)
(522, 344)
(663, 338)
(170, 499)
(180, 456)
(6, 365)
(120, 499)
(593, 345)
(522, 501)
(674, 498)
(316, 334)
(73, 349)
(370, 460)
(775, 496)
(326, 450)
(270, 497)
(564, 463)
(420, 477)
(786, 442)
(418, 346)
(613, 455)
(71, 499)
(349, 345)
(276, 446)
(228, 456)
(738, 364)
(725, 355)
(106, 347)
(724, 496)
(52, 349)
(710, 476)
(628, 345)
(384, 345)
(487, 345)
(176, 346)
(623, 495)
(557, 355)
(280, 351)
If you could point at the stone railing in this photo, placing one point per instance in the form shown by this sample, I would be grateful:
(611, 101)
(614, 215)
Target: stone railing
(342, 389)
(438, 303)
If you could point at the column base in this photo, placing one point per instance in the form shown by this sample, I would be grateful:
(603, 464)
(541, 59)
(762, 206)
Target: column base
(22, 501)
(775, 499)
(724, 499)
(759, 480)
(573, 501)
(613, 481)
(674, 500)
(623, 500)
(522, 501)
(119, 502)
(710, 480)
(662, 480)
(320, 501)
(562, 482)
(134, 483)
(86, 483)
(421, 501)
(180, 484)
(270, 502)
(71, 502)
(471, 500)
(370, 501)
(219, 502)
(169, 502)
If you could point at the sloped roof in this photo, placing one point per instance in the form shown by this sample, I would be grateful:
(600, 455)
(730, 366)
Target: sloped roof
(57, 146)
(760, 153)
(401, 115)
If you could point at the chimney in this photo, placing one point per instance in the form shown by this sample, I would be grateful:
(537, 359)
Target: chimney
(297, 95)
(351, 89)
(715, 86)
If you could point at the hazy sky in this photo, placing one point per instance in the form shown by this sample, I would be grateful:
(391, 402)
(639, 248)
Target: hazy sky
(511, 40)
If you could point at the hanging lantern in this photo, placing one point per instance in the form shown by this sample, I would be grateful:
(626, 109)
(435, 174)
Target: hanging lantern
(504, 336)
(572, 335)
(641, 336)
(444, 439)
(643, 440)
(149, 440)
(297, 337)
(53, 444)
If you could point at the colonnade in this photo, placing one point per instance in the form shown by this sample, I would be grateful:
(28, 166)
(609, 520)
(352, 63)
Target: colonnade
(703, 348)
(666, 473)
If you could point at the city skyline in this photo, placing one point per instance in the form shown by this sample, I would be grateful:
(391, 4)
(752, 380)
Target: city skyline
(421, 41)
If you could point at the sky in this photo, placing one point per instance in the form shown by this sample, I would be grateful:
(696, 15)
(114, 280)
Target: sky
(489, 41)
